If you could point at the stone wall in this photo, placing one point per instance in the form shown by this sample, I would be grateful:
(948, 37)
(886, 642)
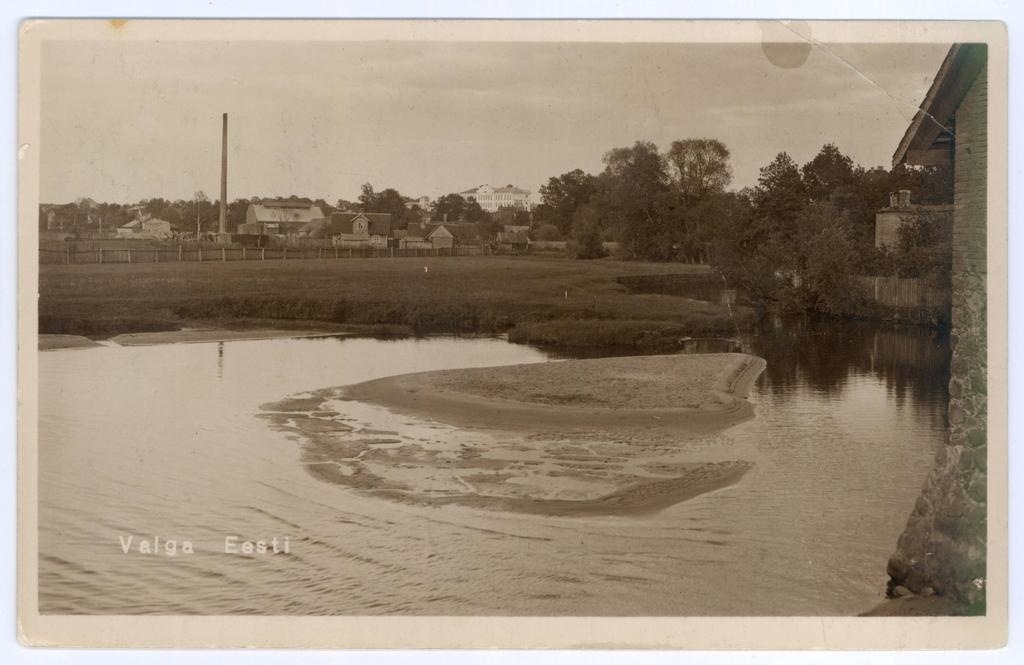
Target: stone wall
(942, 549)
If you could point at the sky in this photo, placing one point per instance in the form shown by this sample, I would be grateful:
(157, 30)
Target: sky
(123, 121)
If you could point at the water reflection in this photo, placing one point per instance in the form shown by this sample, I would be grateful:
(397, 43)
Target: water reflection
(848, 420)
(824, 354)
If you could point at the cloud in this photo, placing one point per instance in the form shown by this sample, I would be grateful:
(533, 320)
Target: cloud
(124, 120)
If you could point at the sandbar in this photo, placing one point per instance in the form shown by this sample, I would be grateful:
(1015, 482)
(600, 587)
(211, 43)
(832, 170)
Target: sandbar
(572, 438)
(694, 392)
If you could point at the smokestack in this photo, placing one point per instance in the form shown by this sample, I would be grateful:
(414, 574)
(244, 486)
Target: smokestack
(224, 177)
(904, 198)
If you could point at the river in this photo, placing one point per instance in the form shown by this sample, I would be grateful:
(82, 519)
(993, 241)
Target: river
(165, 441)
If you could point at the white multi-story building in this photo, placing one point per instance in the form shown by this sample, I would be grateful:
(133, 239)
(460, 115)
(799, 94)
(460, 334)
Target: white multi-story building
(422, 202)
(493, 198)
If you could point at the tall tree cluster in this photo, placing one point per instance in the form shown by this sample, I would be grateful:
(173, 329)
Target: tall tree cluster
(797, 236)
(809, 229)
(454, 208)
(656, 205)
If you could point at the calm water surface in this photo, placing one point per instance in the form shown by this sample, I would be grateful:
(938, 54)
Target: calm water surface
(164, 441)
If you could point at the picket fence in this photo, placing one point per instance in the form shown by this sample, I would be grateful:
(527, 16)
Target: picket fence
(903, 292)
(183, 254)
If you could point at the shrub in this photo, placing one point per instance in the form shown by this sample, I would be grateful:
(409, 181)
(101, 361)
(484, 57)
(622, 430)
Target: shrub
(586, 234)
(547, 232)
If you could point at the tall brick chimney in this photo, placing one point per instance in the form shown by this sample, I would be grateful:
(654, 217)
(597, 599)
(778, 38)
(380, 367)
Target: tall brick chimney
(224, 177)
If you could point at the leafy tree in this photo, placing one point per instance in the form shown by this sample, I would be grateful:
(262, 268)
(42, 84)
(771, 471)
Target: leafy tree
(925, 249)
(586, 233)
(826, 173)
(779, 196)
(505, 214)
(564, 194)
(543, 214)
(325, 207)
(199, 201)
(166, 210)
(547, 232)
(387, 200)
(929, 185)
(488, 228)
(742, 250)
(109, 216)
(455, 208)
(826, 259)
(701, 167)
(236, 213)
(449, 206)
(633, 191)
(85, 204)
(472, 212)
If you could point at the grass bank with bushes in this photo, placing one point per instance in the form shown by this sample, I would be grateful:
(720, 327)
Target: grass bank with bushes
(546, 301)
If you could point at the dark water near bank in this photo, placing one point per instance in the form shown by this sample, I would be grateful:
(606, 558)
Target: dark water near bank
(164, 441)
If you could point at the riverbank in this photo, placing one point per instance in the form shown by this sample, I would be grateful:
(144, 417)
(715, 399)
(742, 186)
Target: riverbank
(915, 606)
(570, 438)
(193, 336)
(54, 342)
(546, 301)
(213, 334)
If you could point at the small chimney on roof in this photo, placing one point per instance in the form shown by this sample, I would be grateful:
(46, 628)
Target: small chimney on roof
(899, 199)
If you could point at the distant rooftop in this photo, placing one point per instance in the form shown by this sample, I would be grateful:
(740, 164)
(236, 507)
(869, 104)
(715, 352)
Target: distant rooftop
(287, 212)
(286, 203)
(507, 189)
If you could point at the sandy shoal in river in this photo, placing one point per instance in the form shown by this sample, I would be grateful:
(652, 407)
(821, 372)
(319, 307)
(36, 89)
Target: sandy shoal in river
(579, 437)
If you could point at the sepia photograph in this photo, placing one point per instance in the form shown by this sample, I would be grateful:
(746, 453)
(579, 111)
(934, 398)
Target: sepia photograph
(522, 321)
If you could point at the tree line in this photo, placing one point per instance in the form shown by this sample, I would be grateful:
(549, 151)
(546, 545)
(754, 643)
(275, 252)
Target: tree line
(198, 214)
(203, 215)
(794, 238)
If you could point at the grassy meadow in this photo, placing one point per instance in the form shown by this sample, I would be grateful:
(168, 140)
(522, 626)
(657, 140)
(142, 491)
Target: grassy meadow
(547, 301)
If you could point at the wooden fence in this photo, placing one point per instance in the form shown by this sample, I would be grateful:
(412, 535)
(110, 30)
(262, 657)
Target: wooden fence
(222, 254)
(900, 292)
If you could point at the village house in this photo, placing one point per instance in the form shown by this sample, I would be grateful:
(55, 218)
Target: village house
(146, 229)
(492, 199)
(413, 236)
(439, 235)
(280, 217)
(901, 211)
(454, 234)
(513, 242)
(355, 229)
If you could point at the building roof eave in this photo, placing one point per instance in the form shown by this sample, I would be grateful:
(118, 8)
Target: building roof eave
(928, 140)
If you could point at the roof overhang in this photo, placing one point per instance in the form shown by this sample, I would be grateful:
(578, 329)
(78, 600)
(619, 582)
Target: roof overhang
(929, 139)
